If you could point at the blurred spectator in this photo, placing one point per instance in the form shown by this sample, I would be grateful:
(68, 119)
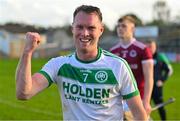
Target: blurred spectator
(162, 70)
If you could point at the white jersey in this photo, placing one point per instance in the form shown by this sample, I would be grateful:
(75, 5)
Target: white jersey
(92, 90)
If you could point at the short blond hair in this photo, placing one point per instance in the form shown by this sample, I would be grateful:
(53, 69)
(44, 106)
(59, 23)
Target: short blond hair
(128, 18)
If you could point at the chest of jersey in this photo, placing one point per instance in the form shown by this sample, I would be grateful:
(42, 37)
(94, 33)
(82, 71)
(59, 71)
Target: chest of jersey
(132, 55)
(79, 83)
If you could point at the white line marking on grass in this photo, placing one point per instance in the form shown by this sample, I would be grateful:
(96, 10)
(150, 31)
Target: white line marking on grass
(35, 110)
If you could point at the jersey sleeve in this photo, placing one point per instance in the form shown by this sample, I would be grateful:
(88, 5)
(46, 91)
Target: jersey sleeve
(50, 70)
(163, 58)
(165, 66)
(146, 54)
(129, 86)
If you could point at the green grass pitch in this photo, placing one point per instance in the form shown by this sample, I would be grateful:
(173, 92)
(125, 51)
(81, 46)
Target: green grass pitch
(47, 105)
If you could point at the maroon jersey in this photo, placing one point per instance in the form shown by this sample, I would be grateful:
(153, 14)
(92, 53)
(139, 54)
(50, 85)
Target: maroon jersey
(135, 54)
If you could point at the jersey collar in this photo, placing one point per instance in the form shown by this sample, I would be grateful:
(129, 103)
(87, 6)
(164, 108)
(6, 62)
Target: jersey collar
(129, 44)
(97, 57)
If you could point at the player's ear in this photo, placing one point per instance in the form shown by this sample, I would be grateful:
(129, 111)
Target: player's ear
(102, 28)
(133, 27)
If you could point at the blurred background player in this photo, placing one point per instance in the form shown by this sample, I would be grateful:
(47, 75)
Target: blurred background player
(139, 57)
(162, 70)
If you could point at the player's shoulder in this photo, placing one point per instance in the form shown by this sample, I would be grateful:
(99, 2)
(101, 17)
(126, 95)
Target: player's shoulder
(139, 44)
(113, 57)
(163, 58)
(109, 54)
(115, 47)
(61, 58)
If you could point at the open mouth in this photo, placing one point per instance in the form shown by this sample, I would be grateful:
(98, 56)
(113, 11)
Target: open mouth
(85, 40)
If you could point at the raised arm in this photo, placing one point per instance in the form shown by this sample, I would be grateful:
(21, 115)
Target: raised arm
(28, 85)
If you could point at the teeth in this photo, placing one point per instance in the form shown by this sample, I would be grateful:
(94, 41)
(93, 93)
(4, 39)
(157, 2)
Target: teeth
(85, 40)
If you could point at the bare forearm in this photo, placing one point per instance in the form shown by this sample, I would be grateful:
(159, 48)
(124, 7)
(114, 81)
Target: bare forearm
(147, 96)
(148, 83)
(23, 76)
(148, 90)
(140, 116)
(137, 109)
(148, 75)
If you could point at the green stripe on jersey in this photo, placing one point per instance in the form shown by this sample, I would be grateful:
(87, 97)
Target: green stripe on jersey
(93, 76)
(131, 95)
(47, 77)
(126, 64)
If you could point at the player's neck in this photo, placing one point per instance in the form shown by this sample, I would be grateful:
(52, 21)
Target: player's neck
(87, 56)
(126, 41)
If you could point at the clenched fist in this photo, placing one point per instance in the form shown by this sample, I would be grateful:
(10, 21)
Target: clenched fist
(33, 40)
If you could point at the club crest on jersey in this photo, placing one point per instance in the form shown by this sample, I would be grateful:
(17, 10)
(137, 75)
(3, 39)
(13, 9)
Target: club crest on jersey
(101, 76)
(132, 53)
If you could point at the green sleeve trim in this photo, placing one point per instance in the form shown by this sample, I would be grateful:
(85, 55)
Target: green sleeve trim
(47, 77)
(163, 58)
(131, 95)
